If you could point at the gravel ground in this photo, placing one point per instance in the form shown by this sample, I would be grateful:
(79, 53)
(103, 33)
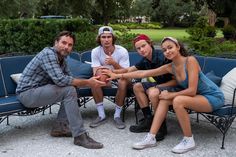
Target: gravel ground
(29, 136)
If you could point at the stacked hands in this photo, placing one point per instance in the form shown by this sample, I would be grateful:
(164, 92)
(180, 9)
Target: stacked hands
(110, 75)
(165, 94)
(102, 75)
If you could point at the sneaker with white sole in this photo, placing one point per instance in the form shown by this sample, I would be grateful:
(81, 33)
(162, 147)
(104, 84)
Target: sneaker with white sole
(97, 122)
(119, 123)
(184, 146)
(148, 141)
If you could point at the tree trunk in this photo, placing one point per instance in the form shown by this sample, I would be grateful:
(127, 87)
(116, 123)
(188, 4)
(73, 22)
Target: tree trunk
(212, 17)
(226, 21)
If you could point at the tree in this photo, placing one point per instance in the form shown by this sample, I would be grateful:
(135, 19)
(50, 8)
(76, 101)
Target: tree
(124, 9)
(11, 11)
(103, 10)
(53, 7)
(18, 8)
(106, 10)
(142, 8)
(221, 8)
(170, 11)
(82, 8)
(27, 8)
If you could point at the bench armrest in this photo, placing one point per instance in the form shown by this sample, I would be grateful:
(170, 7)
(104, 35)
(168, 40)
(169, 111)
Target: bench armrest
(232, 108)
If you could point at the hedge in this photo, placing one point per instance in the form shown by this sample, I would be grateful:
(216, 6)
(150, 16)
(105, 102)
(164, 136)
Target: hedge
(29, 36)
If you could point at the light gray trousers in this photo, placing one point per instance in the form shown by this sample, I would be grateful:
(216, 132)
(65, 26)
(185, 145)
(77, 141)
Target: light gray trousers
(50, 94)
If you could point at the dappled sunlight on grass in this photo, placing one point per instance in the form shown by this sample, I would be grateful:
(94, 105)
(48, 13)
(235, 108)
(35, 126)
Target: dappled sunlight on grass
(157, 34)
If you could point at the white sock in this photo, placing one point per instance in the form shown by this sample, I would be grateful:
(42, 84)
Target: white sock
(151, 135)
(101, 111)
(189, 138)
(117, 111)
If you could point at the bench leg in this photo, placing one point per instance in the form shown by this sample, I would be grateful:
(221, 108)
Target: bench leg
(126, 105)
(197, 117)
(123, 113)
(136, 108)
(223, 142)
(50, 110)
(8, 120)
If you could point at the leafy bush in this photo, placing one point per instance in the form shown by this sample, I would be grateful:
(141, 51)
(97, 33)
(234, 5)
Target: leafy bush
(125, 39)
(201, 30)
(211, 47)
(85, 41)
(210, 31)
(202, 40)
(31, 35)
(229, 32)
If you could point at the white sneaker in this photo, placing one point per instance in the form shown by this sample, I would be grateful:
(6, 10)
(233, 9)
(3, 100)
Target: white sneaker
(184, 146)
(148, 141)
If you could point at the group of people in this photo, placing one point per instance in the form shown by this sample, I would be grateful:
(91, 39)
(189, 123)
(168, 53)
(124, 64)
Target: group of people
(179, 82)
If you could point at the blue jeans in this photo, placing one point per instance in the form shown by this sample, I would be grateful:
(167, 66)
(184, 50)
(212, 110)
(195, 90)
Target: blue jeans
(50, 94)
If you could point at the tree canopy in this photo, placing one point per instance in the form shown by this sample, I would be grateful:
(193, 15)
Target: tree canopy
(104, 11)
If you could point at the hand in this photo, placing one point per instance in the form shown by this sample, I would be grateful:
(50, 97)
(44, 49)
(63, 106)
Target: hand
(112, 76)
(165, 95)
(94, 82)
(109, 60)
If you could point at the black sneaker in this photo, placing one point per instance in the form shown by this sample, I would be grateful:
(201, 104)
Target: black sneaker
(143, 126)
(162, 132)
(160, 136)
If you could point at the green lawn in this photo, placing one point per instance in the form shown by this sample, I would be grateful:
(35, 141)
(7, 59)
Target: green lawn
(157, 34)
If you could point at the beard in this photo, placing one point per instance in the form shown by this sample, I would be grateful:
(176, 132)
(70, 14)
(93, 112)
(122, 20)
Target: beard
(63, 52)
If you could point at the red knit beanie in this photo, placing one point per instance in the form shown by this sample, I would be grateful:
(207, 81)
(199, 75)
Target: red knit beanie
(141, 37)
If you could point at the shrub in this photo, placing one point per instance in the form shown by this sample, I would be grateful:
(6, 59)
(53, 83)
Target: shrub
(210, 31)
(202, 39)
(125, 39)
(201, 29)
(211, 47)
(31, 35)
(229, 32)
(85, 41)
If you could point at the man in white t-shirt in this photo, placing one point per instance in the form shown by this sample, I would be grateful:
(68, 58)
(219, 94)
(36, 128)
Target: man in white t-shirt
(112, 56)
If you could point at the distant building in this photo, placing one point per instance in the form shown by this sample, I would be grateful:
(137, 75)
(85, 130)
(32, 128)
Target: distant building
(140, 19)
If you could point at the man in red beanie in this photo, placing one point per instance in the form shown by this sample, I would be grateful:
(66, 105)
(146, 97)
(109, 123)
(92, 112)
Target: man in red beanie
(148, 91)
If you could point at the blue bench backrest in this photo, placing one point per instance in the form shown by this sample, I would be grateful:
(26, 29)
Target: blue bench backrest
(2, 86)
(134, 58)
(85, 56)
(12, 65)
(201, 61)
(75, 55)
(220, 66)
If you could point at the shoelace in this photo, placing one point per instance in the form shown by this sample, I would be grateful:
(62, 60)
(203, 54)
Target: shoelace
(184, 142)
(146, 139)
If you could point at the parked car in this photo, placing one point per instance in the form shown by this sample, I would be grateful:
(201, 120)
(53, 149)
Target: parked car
(53, 17)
